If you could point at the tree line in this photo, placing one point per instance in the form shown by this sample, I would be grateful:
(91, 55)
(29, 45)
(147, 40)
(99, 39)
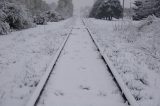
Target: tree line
(22, 14)
(108, 9)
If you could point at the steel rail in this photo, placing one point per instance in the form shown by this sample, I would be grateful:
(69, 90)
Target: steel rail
(120, 83)
(39, 89)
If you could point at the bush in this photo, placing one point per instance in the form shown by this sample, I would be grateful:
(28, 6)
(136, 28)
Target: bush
(144, 8)
(53, 16)
(14, 16)
(48, 16)
(4, 28)
(2, 16)
(17, 16)
(40, 20)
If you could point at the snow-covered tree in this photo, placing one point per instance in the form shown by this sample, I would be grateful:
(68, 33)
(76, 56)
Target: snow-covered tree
(65, 8)
(106, 9)
(2, 15)
(4, 28)
(52, 16)
(144, 8)
(35, 6)
(157, 8)
(95, 10)
(48, 16)
(40, 20)
(14, 15)
(17, 16)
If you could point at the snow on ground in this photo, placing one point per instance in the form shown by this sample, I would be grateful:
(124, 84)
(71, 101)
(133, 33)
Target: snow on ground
(24, 56)
(133, 48)
(80, 77)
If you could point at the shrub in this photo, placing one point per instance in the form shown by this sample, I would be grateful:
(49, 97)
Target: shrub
(4, 28)
(40, 20)
(144, 8)
(17, 16)
(2, 16)
(128, 29)
(53, 16)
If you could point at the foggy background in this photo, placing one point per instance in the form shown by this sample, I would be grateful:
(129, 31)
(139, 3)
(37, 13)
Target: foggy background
(82, 3)
(79, 4)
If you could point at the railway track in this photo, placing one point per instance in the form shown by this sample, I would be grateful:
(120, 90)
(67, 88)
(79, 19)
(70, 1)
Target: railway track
(37, 93)
(125, 93)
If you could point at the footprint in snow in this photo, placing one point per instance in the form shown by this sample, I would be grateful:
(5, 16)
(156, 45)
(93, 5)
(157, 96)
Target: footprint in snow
(115, 91)
(87, 88)
(72, 58)
(102, 94)
(59, 93)
(86, 43)
(83, 68)
(65, 52)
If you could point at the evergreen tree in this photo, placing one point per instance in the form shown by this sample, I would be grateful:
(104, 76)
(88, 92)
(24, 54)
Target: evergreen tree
(156, 7)
(36, 6)
(95, 10)
(106, 9)
(144, 8)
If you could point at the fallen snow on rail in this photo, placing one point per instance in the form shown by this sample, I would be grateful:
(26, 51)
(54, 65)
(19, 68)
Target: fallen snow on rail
(24, 58)
(80, 77)
(124, 89)
(133, 49)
